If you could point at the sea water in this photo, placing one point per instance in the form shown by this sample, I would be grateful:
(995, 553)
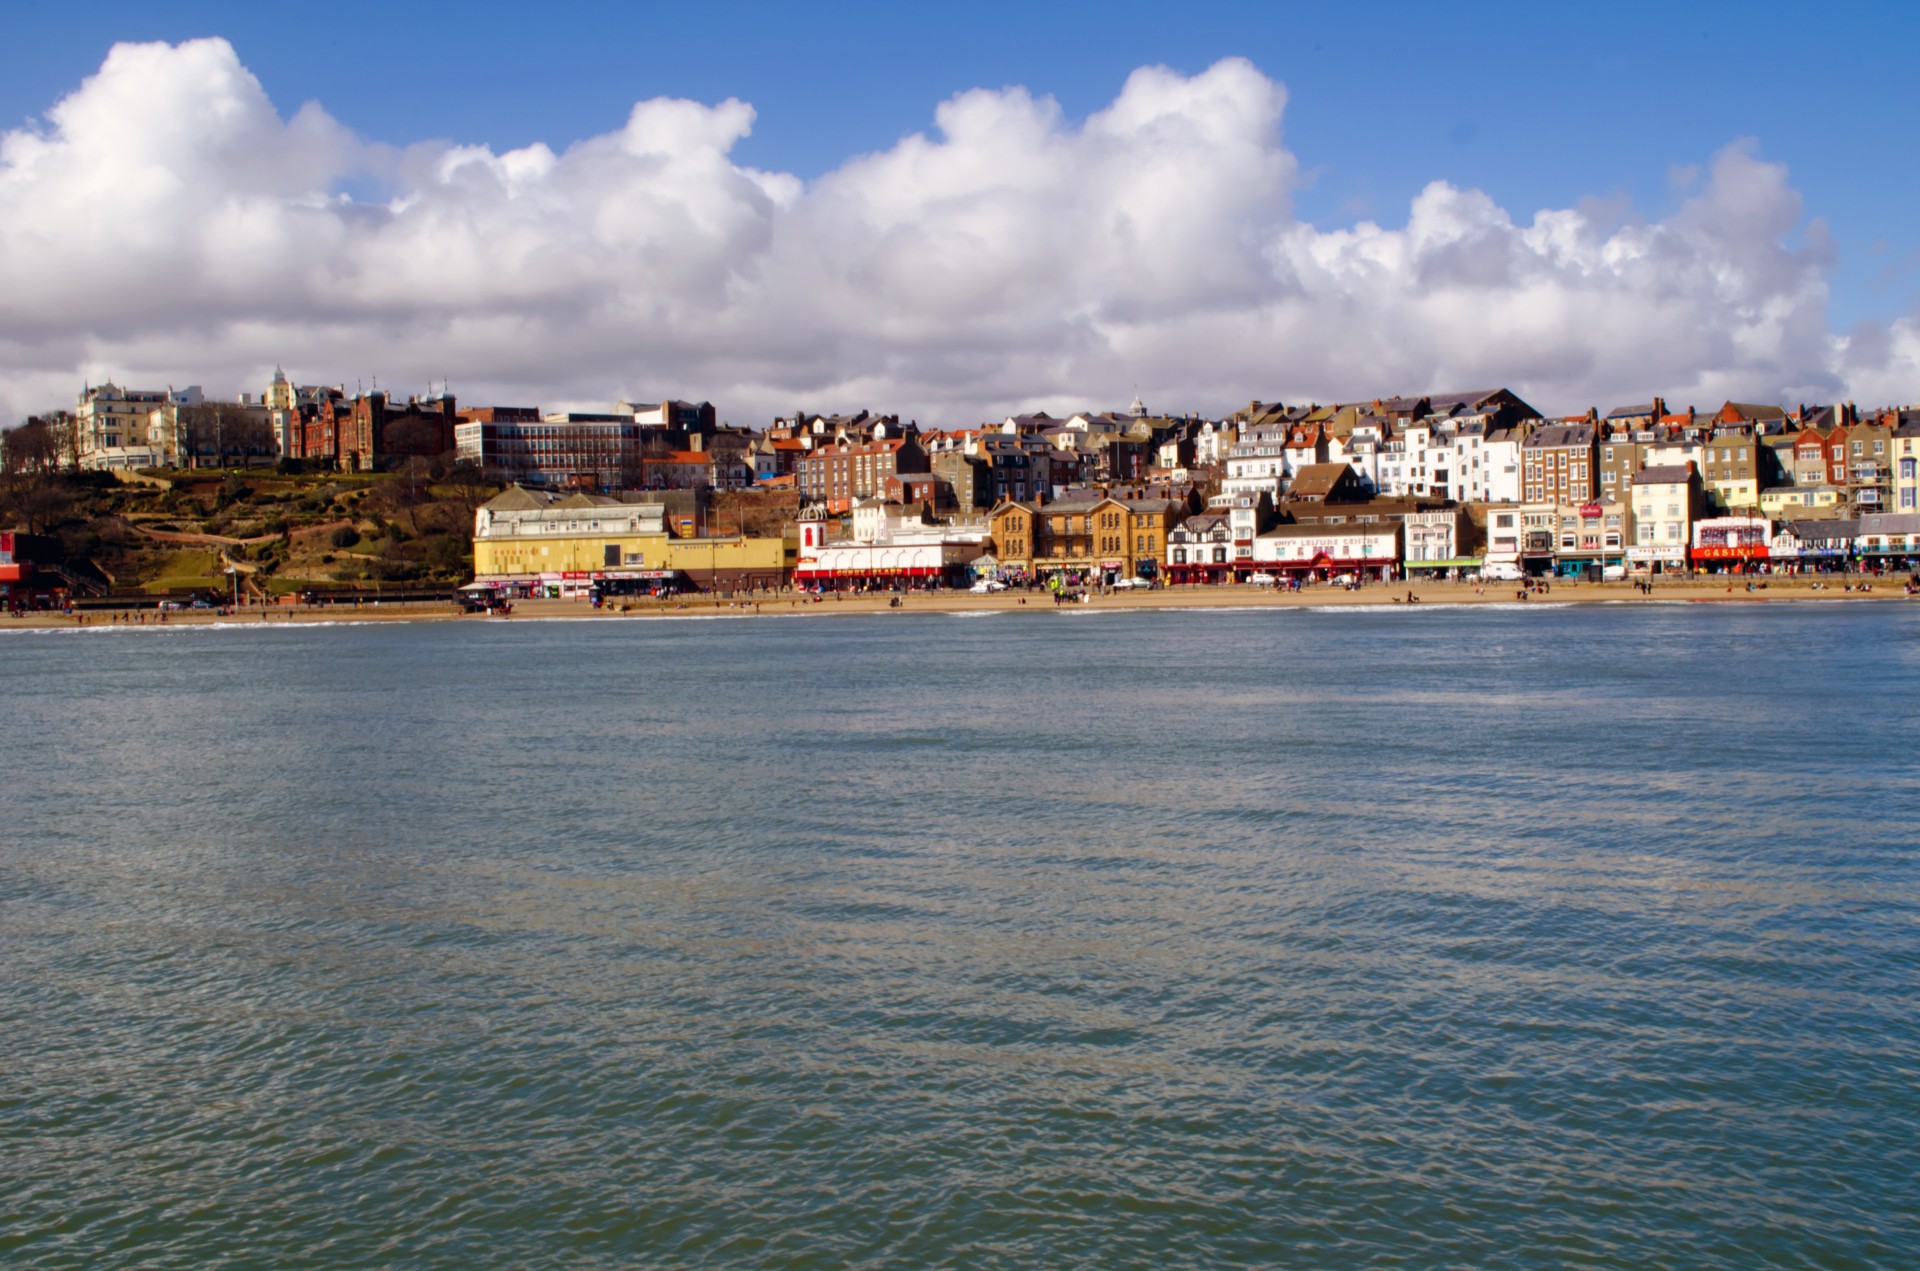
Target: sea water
(1581, 936)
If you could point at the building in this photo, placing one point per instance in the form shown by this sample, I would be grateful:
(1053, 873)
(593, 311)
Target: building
(1504, 541)
(895, 553)
(1665, 499)
(113, 425)
(1087, 537)
(1730, 467)
(514, 444)
(1889, 541)
(1731, 543)
(1201, 549)
(1904, 445)
(834, 475)
(1432, 542)
(1866, 453)
(1558, 462)
(1814, 546)
(534, 542)
(1368, 551)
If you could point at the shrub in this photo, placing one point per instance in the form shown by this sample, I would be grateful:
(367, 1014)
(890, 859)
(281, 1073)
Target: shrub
(345, 536)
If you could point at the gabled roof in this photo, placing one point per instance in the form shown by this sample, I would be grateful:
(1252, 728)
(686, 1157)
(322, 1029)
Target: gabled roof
(1318, 480)
(517, 498)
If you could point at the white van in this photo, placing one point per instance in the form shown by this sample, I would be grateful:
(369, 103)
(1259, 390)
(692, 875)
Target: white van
(1502, 571)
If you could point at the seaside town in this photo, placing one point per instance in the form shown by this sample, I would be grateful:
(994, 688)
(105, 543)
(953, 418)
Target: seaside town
(305, 494)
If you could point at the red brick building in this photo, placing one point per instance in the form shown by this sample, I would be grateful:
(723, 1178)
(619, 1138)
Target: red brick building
(836, 475)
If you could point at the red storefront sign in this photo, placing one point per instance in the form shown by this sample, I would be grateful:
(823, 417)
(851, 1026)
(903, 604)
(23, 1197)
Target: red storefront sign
(1754, 551)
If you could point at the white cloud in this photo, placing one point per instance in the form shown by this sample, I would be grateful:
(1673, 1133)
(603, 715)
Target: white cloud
(166, 225)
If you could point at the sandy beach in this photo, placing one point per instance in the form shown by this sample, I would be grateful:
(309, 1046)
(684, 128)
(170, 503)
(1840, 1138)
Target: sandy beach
(1189, 597)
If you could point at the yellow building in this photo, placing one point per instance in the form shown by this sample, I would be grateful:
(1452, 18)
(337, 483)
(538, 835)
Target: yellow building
(1089, 535)
(539, 543)
(1794, 500)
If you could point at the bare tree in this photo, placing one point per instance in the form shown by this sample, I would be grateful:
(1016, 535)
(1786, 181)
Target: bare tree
(729, 451)
(31, 447)
(469, 487)
(212, 434)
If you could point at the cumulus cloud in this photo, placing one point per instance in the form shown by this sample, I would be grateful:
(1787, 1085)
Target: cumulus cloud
(166, 224)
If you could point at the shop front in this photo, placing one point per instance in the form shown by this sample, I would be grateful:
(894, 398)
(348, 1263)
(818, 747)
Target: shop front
(1200, 569)
(1453, 568)
(1730, 559)
(1311, 553)
(1657, 560)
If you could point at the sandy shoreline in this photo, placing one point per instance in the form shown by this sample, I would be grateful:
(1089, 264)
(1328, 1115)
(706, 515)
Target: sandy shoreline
(1191, 597)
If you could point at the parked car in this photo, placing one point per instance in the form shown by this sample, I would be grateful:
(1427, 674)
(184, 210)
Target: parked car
(1613, 573)
(1262, 579)
(987, 586)
(1129, 583)
(1502, 571)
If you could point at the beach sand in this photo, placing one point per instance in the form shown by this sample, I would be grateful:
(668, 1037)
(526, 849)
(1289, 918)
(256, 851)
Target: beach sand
(1188, 597)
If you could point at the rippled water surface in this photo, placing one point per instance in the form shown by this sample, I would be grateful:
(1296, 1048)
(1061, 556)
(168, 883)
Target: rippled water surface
(1562, 937)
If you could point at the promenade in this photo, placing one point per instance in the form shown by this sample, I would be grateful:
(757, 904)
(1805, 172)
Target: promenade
(789, 604)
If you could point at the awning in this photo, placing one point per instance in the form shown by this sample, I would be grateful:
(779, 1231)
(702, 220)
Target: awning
(1457, 562)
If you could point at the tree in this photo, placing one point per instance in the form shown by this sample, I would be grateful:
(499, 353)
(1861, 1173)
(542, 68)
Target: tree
(729, 451)
(212, 434)
(468, 484)
(30, 448)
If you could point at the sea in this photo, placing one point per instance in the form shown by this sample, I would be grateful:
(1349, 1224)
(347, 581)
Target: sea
(1535, 936)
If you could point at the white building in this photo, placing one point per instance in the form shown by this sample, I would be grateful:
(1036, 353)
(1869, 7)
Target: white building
(115, 426)
(1500, 462)
(1505, 528)
(1663, 498)
(1432, 540)
(901, 552)
(1370, 550)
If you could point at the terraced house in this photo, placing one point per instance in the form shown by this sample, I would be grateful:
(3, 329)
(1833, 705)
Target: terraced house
(1557, 462)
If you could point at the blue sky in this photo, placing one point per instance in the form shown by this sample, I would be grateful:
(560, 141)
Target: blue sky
(1539, 106)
